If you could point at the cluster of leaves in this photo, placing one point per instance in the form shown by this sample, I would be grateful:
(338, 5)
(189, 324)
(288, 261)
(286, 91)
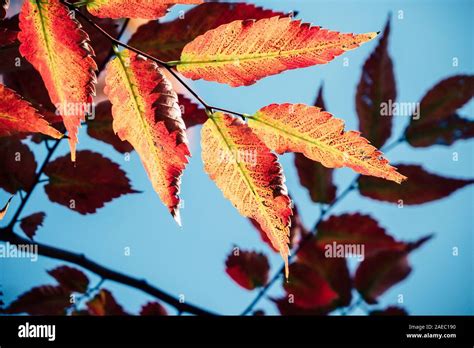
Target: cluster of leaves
(235, 44)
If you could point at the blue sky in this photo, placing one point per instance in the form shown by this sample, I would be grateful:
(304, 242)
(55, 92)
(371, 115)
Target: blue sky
(190, 260)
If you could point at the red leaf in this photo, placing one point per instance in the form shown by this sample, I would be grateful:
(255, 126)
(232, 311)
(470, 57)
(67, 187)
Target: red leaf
(379, 272)
(391, 310)
(153, 309)
(41, 300)
(104, 304)
(87, 185)
(376, 86)
(17, 165)
(422, 187)
(313, 175)
(31, 223)
(309, 288)
(438, 122)
(4, 4)
(192, 114)
(297, 230)
(166, 40)
(333, 270)
(248, 268)
(100, 128)
(355, 230)
(70, 278)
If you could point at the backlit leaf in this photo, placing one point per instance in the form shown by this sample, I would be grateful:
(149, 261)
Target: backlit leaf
(145, 9)
(438, 123)
(53, 43)
(31, 223)
(166, 40)
(422, 187)
(147, 115)
(41, 300)
(18, 116)
(242, 52)
(153, 309)
(376, 86)
(87, 185)
(379, 272)
(17, 165)
(320, 137)
(249, 269)
(100, 128)
(70, 278)
(3, 211)
(104, 304)
(248, 174)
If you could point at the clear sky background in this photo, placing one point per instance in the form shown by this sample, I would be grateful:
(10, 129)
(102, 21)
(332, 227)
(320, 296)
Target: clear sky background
(190, 260)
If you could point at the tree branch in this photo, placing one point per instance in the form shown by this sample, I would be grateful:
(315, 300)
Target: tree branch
(7, 235)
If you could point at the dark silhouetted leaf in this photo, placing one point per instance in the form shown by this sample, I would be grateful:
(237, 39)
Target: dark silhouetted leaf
(100, 128)
(17, 165)
(192, 114)
(4, 4)
(70, 278)
(87, 185)
(391, 310)
(31, 223)
(104, 304)
(248, 268)
(438, 121)
(153, 309)
(422, 186)
(166, 40)
(41, 300)
(379, 272)
(376, 86)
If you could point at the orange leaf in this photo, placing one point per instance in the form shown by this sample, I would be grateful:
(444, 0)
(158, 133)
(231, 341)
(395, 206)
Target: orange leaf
(4, 210)
(147, 115)
(18, 116)
(145, 9)
(249, 176)
(166, 40)
(242, 52)
(55, 45)
(320, 137)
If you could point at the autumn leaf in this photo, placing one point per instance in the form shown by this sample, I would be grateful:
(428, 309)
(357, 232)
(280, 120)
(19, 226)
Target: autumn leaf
(356, 229)
(17, 165)
(153, 309)
(31, 223)
(192, 114)
(4, 4)
(297, 229)
(248, 174)
(144, 9)
(4, 210)
(55, 45)
(147, 115)
(334, 271)
(242, 52)
(11, 57)
(41, 300)
(104, 304)
(376, 87)
(87, 185)
(438, 122)
(249, 269)
(100, 128)
(422, 187)
(18, 116)
(7, 37)
(166, 40)
(309, 288)
(70, 278)
(379, 272)
(320, 137)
